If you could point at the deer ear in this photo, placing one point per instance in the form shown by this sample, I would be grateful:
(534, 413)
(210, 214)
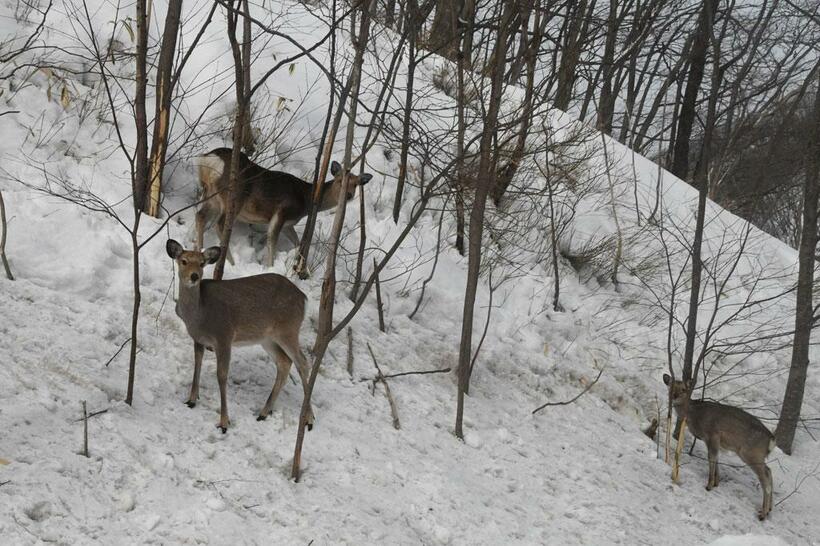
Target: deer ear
(365, 178)
(173, 248)
(667, 379)
(335, 168)
(212, 254)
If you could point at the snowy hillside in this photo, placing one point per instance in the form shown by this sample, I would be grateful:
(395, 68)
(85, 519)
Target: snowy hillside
(159, 472)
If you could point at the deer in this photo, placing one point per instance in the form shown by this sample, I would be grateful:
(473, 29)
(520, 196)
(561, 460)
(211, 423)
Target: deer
(720, 426)
(265, 310)
(273, 198)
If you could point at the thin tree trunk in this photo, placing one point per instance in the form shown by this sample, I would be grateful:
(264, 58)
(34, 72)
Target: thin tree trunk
(242, 99)
(702, 183)
(485, 180)
(412, 24)
(803, 319)
(326, 303)
(162, 116)
(139, 181)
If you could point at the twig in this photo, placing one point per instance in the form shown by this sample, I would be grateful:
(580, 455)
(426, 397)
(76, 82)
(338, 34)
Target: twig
(797, 485)
(381, 377)
(350, 352)
(379, 306)
(4, 483)
(577, 396)
(110, 360)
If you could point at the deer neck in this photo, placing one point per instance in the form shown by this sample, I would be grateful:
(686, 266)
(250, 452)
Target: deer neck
(189, 303)
(682, 408)
(330, 195)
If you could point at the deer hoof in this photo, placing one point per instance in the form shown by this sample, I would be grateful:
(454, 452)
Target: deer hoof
(708, 487)
(310, 426)
(261, 417)
(191, 403)
(222, 428)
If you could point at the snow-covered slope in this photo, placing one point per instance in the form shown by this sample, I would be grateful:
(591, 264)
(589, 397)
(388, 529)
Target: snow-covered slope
(160, 472)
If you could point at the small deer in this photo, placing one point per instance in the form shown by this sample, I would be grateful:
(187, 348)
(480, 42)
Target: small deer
(273, 198)
(262, 309)
(726, 427)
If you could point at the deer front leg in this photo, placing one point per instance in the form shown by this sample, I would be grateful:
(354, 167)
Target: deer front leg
(199, 349)
(223, 363)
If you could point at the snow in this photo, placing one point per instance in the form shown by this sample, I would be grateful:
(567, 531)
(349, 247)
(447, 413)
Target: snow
(159, 472)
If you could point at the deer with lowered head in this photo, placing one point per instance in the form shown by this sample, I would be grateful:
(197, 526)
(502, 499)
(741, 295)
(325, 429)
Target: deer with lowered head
(273, 198)
(264, 310)
(726, 427)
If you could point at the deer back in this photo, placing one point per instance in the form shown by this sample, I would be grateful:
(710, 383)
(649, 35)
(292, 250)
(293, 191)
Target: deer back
(249, 309)
(730, 427)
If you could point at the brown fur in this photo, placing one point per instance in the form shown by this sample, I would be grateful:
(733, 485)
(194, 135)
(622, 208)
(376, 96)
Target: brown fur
(729, 428)
(261, 309)
(273, 198)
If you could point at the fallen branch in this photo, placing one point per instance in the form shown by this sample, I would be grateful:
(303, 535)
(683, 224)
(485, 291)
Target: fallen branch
(568, 402)
(4, 227)
(92, 414)
(85, 431)
(402, 374)
(380, 377)
(350, 352)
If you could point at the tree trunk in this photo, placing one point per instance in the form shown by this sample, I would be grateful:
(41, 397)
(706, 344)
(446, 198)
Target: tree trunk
(803, 320)
(697, 64)
(571, 51)
(443, 37)
(162, 116)
(606, 104)
(485, 180)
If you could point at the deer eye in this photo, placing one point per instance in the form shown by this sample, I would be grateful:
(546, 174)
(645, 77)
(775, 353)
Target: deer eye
(184, 262)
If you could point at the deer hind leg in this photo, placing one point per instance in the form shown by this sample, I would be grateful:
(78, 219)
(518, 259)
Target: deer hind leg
(199, 349)
(202, 216)
(282, 370)
(764, 474)
(274, 227)
(290, 344)
(713, 449)
(223, 363)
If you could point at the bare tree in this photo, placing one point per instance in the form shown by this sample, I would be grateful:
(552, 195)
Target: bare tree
(485, 181)
(804, 319)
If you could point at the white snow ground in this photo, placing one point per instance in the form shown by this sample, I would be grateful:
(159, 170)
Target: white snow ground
(160, 472)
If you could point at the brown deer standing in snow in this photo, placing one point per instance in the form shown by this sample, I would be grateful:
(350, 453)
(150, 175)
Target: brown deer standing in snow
(262, 309)
(272, 198)
(726, 427)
